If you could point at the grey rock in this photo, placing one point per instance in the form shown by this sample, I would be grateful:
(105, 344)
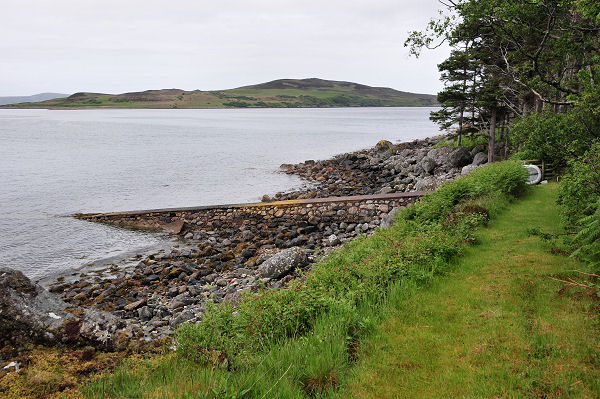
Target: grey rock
(428, 164)
(480, 158)
(333, 240)
(477, 149)
(28, 312)
(467, 169)
(459, 157)
(281, 263)
(440, 155)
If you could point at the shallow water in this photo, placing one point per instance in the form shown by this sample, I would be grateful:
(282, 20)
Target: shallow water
(56, 163)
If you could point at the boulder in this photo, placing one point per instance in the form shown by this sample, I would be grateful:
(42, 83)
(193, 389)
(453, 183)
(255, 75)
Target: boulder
(383, 146)
(428, 183)
(29, 313)
(388, 220)
(428, 164)
(459, 157)
(480, 158)
(467, 169)
(333, 240)
(282, 263)
(477, 149)
(440, 155)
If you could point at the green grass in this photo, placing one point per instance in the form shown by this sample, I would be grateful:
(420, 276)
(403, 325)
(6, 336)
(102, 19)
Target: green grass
(498, 326)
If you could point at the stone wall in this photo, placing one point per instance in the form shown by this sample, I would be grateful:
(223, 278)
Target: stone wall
(320, 214)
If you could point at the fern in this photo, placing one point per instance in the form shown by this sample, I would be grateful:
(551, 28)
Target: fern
(588, 238)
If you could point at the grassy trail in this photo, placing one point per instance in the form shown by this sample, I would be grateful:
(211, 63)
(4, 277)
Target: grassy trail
(497, 327)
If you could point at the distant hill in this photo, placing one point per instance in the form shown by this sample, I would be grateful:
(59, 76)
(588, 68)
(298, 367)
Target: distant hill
(31, 99)
(283, 93)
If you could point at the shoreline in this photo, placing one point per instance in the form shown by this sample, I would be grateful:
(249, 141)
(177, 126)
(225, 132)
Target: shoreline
(221, 251)
(218, 260)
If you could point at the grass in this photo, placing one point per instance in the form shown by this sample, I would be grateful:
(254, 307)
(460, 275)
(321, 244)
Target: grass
(498, 326)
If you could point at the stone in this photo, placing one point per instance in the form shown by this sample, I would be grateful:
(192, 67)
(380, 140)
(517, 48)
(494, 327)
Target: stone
(477, 149)
(266, 198)
(480, 158)
(173, 227)
(459, 157)
(386, 190)
(467, 169)
(28, 313)
(135, 305)
(428, 164)
(440, 155)
(333, 240)
(281, 263)
(383, 146)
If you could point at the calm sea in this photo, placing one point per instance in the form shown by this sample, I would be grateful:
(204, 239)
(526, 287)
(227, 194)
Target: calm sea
(57, 163)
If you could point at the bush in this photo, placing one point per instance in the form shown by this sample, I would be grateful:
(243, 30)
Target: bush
(588, 238)
(580, 187)
(419, 245)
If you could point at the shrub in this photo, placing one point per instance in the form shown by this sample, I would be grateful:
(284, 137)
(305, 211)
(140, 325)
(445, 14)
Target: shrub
(588, 238)
(580, 187)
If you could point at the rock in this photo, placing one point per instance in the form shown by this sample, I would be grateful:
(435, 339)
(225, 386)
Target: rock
(173, 227)
(480, 158)
(266, 198)
(135, 305)
(428, 164)
(459, 157)
(428, 183)
(440, 155)
(386, 190)
(28, 312)
(281, 263)
(383, 146)
(467, 169)
(333, 240)
(477, 149)
(388, 220)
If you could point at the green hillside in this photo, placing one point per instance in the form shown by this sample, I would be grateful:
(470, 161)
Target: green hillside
(283, 93)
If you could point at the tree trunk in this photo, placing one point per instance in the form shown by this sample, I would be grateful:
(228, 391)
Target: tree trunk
(492, 137)
(506, 142)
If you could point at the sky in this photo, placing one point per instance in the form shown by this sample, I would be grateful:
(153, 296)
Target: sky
(116, 46)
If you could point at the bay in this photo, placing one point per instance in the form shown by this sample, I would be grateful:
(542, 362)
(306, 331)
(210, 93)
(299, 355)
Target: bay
(54, 163)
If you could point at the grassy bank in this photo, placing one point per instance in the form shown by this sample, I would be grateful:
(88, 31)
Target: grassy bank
(304, 339)
(499, 325)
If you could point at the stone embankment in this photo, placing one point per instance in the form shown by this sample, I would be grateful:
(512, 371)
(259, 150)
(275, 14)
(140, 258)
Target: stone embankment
(225, 250)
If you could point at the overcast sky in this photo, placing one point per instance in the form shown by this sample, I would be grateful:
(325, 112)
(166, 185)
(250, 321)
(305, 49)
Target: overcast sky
(116, 46)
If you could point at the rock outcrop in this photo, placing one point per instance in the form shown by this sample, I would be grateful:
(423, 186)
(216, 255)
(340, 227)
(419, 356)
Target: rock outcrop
(29, 313)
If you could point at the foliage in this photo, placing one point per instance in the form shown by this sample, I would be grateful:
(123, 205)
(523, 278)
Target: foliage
(580, 187)
(588, 238)
(551, 137)
(511, 58)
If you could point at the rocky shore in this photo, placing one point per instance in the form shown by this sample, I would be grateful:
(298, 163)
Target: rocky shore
(224, 252)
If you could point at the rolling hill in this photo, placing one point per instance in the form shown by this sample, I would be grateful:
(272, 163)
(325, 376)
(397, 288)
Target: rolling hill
(30, 99)
(283, 93)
